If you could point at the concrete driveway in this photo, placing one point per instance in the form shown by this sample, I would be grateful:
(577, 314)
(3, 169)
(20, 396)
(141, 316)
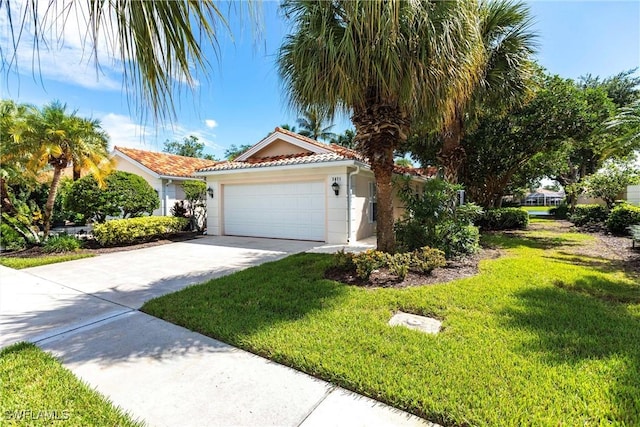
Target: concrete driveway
(85, 313)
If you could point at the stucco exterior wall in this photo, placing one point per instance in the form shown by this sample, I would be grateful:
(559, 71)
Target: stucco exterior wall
(279, 148)
(361, 224)
(633, 194)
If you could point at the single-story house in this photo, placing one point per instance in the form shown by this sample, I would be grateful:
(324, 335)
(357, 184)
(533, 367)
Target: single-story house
(292, 187)
(164, 172)
(543, 197)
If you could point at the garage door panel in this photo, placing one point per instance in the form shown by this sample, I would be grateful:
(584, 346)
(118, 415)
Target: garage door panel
(277, 210)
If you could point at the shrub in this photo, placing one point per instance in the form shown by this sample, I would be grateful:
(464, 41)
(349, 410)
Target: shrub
(10, 239)
(504, 219)
(368, 261)
(561, 211)
(127, 231)
(589, 214)
(621, 217)
(343, 260)
(61, 243)
(125, 194)
(422, 260)
(435, 219)
(426, 259)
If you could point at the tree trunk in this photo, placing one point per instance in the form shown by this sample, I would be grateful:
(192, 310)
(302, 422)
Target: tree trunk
(51, 199)
(77, 172)
(380, 128)
(452, 155)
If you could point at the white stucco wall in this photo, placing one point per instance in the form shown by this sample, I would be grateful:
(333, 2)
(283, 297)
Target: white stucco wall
(361, 227)
(633, 194)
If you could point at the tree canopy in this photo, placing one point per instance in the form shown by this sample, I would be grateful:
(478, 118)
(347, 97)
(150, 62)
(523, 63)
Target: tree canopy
(190, 146)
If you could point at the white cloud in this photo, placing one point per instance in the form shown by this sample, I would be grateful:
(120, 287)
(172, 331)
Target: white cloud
(211, 123)
(124, 132)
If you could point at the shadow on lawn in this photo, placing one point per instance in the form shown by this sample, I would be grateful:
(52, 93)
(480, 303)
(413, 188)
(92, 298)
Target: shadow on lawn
(572, 324)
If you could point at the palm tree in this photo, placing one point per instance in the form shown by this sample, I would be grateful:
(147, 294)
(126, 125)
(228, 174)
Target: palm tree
(628, 120)
(383, 63)
(503, 79)
(58, 139)
(312, 125)
(346, 139)
(160, 44)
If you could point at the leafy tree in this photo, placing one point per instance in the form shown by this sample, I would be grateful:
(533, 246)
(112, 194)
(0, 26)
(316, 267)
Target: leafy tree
(383, 63)
(346, 139)
(502, 79)
(159, 43)
(312, 125)
(503, 147)
(189, 147)
(404, 162)
(125, 194)
(612, 180)
(622, 89)
(234, 151)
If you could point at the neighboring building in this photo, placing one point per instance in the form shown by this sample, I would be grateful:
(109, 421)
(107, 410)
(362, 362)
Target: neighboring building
(164, 172)
(292, 187)
(633, 194)
(543, 197)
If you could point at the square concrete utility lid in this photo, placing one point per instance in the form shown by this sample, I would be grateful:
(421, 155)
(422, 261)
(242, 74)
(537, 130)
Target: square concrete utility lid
(424, 324)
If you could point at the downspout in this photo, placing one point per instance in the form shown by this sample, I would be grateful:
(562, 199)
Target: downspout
(349, 189)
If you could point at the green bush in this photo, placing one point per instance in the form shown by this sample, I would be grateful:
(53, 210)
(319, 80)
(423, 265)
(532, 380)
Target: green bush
(621, 217)
(435, 219)
(504, 219)
(131, 230)
(422, 260)
(343, 260)
(561, 211)
(589, 214)
(61, 243)
(10, 239)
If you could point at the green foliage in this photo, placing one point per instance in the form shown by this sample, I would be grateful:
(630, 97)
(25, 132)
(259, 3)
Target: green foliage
(344, 260)
(589, 214)
(504, 219)
(422, 261)
(189, 147)
(346, 139)
(561, 211)
(196, 196)
(434, 219)
(235, 150)
(612, 180)
(368, 261)
(61, 243)
(312, 125)
(125, 194)
(9, 238)
(621, 217)
(131, 230)
(179, 210)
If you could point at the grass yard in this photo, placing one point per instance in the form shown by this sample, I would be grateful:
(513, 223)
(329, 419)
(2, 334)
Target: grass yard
(537, 208)
(28, 262)
(36, 390)
(542, 336)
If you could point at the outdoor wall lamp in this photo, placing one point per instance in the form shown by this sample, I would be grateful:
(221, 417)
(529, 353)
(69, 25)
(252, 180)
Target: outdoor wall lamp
(336, 188)
(210, 192)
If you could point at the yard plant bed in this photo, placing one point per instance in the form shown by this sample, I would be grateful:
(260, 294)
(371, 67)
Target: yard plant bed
(543, 335)
(37, 390)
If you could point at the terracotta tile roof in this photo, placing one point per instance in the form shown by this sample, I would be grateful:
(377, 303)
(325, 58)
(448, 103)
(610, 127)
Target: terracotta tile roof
(166, 164)
(338, 153)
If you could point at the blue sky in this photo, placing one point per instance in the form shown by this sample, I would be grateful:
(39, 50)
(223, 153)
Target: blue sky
(242, 101)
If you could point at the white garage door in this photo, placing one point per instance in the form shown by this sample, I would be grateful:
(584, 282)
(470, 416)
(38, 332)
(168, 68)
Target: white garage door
(278, 210)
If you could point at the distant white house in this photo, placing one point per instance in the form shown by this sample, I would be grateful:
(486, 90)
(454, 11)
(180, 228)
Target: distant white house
(543, 197)
(633, 194)
(164, 172)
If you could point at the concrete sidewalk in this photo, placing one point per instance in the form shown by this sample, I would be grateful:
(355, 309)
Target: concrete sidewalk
(162, 373)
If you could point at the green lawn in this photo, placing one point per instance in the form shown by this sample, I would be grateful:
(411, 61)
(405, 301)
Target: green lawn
(542, 336)
(537, 208)
(20, 263)
(36, 390)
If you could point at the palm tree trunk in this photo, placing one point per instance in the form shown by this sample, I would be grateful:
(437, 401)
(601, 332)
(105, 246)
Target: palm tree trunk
(383, 172)
(48, 207)
(452, 155)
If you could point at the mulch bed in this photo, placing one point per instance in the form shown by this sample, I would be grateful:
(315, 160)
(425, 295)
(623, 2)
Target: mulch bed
(93, 247)
(455, 269)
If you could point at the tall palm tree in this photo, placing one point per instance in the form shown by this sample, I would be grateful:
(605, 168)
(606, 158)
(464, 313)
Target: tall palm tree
(312, 125)
(383, 63)
(59, 139)
(503, 79)
(160, 44)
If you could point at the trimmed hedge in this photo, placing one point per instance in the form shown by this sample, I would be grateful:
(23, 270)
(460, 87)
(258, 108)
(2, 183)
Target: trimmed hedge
(504, 219)
(589, 214)
(621, 217)
(131, 230)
